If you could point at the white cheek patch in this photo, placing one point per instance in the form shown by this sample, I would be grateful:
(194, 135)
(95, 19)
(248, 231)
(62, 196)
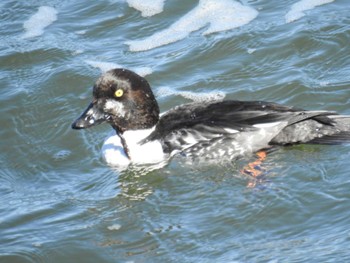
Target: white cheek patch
(115, 107)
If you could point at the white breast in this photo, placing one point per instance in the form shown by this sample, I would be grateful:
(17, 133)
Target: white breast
(113, 152)
(148, 153)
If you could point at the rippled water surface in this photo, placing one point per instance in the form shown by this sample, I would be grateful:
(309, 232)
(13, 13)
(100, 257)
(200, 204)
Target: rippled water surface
(61, 203)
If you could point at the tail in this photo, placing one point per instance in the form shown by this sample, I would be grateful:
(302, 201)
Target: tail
(340, 122)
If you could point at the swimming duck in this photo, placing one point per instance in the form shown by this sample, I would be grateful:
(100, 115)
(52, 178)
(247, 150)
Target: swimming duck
(207, 131)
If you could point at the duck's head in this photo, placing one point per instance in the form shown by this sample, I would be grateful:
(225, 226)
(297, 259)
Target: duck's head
(123, 99)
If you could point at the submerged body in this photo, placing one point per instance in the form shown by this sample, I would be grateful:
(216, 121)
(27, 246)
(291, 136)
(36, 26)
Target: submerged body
(207, 131)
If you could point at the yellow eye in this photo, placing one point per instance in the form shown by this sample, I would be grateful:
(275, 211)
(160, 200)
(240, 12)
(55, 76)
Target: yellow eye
(118, 93)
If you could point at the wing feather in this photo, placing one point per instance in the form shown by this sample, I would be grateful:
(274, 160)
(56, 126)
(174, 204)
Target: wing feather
(190, 124)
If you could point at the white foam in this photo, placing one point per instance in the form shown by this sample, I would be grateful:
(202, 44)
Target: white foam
(143, 71)
(105, 66)
(220, 15)
(114, 227)
(324, 83)
(297, 9)
(147, 7)
(81, 32)
(251, 50)
(35, 25)
(194, 96)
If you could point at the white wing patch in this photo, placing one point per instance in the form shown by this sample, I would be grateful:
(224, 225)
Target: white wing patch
(267, 125)
(230, 130)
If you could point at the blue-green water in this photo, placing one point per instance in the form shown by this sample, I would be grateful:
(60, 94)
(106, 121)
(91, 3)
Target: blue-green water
(61, 203)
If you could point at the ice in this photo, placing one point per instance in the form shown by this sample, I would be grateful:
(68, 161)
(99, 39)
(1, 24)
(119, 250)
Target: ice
(194, 96)
(105, 66)
(35, 25)
(219, 15)
(297, 9)
(147, 7)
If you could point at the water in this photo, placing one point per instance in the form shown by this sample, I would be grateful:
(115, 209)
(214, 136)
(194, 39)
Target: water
(61, 203)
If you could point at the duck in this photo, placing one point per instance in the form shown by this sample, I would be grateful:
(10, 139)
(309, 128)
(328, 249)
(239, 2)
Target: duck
(210, 131)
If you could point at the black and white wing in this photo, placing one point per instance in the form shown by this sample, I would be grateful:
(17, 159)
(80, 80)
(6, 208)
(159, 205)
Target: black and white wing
(236, 127)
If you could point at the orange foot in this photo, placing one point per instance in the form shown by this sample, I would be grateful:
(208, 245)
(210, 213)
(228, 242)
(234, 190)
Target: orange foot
(254, 169)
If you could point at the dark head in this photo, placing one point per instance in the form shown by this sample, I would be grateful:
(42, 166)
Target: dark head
(123, 99)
